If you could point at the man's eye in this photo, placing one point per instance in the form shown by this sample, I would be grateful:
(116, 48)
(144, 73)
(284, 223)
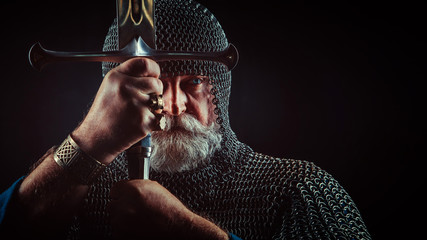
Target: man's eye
(196, 81)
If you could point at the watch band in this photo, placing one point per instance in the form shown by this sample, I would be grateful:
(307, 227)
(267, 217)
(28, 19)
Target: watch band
(84, 168)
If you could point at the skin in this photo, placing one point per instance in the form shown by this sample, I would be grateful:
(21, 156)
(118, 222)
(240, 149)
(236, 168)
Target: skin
(120, 117)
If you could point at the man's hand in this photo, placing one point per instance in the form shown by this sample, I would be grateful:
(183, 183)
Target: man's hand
(143, 209)
(120, 115)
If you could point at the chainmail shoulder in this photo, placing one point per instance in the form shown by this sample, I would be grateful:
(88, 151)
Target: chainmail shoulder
(261, 197)
(291, 199)
(254, 196)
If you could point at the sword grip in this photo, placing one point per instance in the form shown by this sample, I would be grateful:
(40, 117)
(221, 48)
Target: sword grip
(139, 159)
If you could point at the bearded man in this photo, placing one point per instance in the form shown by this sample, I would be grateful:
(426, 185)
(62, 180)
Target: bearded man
(205, 183)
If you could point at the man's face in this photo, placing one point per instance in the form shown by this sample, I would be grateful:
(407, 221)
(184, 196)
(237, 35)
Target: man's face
(191, 135)
(189, 94)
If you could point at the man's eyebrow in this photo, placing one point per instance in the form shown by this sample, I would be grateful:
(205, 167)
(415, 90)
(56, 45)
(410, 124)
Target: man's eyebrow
(203, 77)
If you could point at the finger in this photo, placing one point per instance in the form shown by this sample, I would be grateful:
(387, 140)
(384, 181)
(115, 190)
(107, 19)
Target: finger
(139, 97)
(148, 122)
(139, 67)
(141, 89)
(148, 85)
(144, 99)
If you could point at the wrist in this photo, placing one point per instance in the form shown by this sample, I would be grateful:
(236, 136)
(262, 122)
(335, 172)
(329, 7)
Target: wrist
(81, 166)
(92, 146)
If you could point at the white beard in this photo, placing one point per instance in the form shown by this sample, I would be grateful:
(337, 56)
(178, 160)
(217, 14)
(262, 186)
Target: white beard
(185, 144)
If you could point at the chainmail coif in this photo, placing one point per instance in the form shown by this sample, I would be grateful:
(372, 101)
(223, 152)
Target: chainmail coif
(249, 194)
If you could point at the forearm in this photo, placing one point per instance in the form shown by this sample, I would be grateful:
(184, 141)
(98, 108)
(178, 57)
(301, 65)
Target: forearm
(49, 195)
(202, 228)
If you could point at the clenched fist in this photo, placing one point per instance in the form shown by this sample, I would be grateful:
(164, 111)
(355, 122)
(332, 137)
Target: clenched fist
(120, 114)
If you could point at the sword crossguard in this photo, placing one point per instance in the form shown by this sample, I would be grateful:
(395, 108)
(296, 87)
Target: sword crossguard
(39, 57)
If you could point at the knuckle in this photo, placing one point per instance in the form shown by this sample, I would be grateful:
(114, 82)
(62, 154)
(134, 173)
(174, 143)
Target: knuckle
(156, 69)
(141, 190)
(148, 83)
(148, 119)
(112, 76)
(145, 187)
(158, 86)
(153, 85)
(150, 67)
(143, 122)
(145, 66)
(139, 67)
(119, 83)
(116, 78)
(144, 63)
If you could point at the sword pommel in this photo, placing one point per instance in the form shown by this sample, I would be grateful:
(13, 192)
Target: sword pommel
(37, 56)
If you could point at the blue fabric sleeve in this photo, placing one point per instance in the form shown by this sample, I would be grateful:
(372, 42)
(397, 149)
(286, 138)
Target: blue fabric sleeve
(233, 237)
(6, 196)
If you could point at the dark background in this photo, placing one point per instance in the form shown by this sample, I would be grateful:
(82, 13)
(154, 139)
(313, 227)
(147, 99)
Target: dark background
(338, 84)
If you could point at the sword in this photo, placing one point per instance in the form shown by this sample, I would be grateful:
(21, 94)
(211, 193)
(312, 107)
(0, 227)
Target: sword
(136, 34)
(135, 18)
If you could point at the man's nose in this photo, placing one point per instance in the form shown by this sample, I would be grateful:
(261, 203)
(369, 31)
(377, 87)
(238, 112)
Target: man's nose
(174, 99)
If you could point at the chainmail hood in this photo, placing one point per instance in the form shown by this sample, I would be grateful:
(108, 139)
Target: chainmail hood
(185, 25)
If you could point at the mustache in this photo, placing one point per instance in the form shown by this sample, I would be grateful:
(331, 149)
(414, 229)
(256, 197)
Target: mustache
(184, 122)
